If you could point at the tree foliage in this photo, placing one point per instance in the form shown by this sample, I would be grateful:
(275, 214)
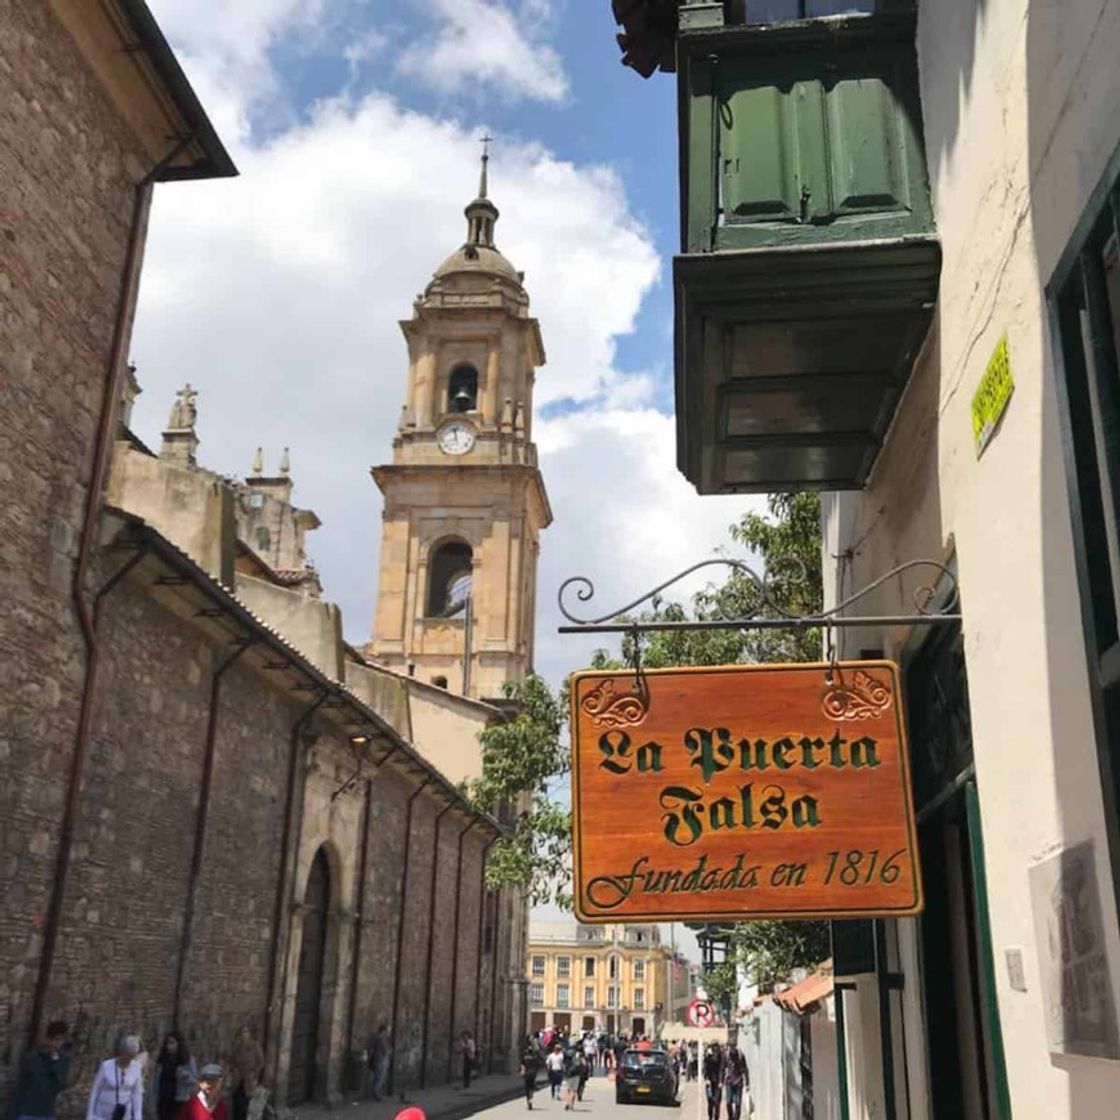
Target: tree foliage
(721, 983)
(521, 758)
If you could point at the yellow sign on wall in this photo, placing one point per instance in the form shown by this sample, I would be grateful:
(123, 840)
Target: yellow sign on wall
(990, 400)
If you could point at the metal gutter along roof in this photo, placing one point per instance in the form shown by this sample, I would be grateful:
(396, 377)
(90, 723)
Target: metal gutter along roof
(217, 162)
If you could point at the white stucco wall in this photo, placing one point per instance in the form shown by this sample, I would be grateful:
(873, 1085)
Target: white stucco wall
(1022, 112)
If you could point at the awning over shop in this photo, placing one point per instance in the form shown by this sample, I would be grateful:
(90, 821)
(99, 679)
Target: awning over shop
(803, 996)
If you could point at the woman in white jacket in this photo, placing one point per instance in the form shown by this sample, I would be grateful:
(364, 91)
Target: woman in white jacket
(118, 1088)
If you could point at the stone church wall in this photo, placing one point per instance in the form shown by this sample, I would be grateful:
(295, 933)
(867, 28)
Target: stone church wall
(122, 935)
(67, 165)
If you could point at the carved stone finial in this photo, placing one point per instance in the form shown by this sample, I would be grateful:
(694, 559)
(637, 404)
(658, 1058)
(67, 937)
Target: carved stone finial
(285, 463)
(519, 418)
(507, 415)
(180, 443)
(258, 461)
(183, 411)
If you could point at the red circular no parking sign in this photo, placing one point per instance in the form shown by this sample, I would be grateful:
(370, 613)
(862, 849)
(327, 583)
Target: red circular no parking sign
(700, 1013)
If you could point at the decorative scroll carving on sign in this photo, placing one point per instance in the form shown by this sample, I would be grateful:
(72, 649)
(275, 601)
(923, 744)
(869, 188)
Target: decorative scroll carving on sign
(607, 707)
(863, 698)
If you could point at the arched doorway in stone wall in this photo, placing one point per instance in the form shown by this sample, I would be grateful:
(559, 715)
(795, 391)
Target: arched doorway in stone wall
(309, 987)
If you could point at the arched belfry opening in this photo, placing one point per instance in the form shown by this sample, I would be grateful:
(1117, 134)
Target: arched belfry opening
(462, 389)
(449, 579)
(306, 1026)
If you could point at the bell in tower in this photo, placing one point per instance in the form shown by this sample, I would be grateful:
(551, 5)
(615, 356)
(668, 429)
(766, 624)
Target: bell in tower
(464, 498)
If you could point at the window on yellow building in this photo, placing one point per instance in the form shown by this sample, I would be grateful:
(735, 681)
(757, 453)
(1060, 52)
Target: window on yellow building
(612, 997)
(536, 995)
(561, 995)
(589, 966)
(639, 999)
(538, 966)
(589, 996)
(612, 968)
(639, 970)
(563, 966)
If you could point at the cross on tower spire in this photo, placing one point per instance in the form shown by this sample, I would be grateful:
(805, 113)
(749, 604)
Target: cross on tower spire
(482, 183)
(482, 213)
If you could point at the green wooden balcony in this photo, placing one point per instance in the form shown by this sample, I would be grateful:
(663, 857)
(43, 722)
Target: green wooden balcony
(810, 262)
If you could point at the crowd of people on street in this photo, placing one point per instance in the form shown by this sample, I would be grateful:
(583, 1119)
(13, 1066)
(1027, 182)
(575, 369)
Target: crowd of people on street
(570, 1060)
(167, 1083)
(162, 1080)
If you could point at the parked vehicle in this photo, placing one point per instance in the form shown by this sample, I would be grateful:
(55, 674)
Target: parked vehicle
(645, 1075)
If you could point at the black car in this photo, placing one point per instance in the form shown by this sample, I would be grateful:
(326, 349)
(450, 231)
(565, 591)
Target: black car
(645, 1075)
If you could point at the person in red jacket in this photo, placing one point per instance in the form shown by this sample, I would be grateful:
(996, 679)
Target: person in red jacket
(207, 1103)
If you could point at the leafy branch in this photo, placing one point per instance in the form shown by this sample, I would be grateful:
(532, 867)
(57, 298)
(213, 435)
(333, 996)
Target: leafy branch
(521, 758)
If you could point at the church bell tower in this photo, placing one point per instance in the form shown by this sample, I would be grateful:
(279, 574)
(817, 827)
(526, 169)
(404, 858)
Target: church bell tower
(464, 498)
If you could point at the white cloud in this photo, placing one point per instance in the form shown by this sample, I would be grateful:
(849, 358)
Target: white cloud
(225, 48)
(625, 518)
(485, 42)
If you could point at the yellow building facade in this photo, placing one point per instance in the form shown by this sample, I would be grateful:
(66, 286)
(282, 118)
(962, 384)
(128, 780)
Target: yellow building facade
(584, 977)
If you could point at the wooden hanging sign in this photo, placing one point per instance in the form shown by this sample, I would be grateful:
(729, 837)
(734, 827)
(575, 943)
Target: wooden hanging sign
(755, 791)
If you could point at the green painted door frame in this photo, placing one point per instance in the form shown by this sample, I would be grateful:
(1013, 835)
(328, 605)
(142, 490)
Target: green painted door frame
(987, 956)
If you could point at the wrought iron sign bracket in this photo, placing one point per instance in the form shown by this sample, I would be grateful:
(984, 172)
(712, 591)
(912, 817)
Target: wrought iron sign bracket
(767, 613)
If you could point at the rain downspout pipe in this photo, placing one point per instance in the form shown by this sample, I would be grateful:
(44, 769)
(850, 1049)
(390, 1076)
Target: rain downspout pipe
(481, 923)
(424, 1026)
(205, 787)
(295, 742)
(360, 903)
(494, 983)
(455, 952)
(400, 929)
(83, 608)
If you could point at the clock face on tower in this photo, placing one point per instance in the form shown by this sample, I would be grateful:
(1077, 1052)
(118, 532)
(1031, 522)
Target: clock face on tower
(456, 438)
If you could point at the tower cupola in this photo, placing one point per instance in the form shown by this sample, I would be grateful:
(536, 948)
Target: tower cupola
(482, 214)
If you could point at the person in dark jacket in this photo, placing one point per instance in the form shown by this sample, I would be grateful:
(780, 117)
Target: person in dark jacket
(174, 1078)
(713, 1079)
(43, 1075)
(530, 1066)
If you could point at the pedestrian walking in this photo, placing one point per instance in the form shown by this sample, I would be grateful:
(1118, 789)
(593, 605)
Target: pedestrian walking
(248, 1064)
(207, 1103)
(736, 1082)
(117, 1092)
(693, 1060)
(571, 1078)
(43, 1074)
(619, 1050)
(583, 1069)
(554, 1063)
(530, 1067)
(468, 1051)
(713, 1079)
(175, 1076)
(378, 1061)
(591, 1052)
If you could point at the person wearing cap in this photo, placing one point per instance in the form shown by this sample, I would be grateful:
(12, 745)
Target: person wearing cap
(117, 1092)
(411, 1113)
(207, 1103)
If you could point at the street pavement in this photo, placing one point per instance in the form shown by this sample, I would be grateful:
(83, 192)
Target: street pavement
(599, 1103)
(502, 1097)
